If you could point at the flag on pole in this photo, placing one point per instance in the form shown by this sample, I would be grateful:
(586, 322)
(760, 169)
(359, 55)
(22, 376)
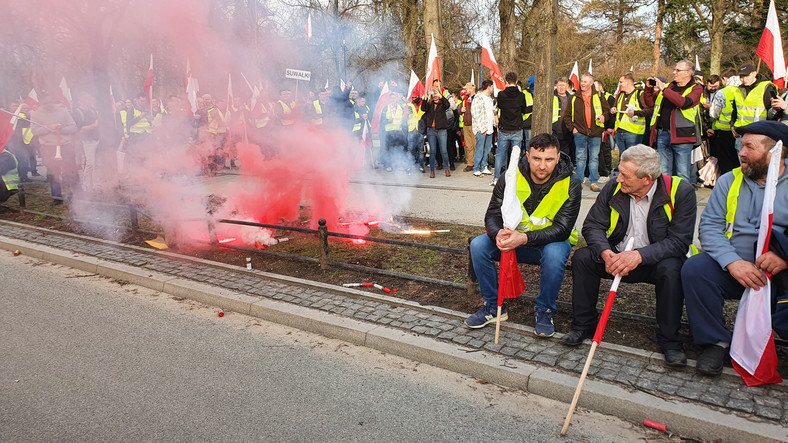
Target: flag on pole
(32, 99)
(510, 284)
(64, 93)
(309, 26)
(590, 69)
(191, 89)
(148, 85)
(473, 80)
(433, 66)
(342, 84)
(415, 88)
(752, 348)
(7, 127)
(383, 101)
(770, 48)
(230, 99)
(697, 64)
(488, 59)
(112, 106)
(574, 78)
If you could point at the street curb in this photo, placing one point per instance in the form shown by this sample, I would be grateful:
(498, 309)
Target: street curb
(687, 419)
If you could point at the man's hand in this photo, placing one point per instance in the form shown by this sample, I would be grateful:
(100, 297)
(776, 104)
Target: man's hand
(621, 263)
(613, 110)
(747, 274)
(506, 240)
(709, 132)
(779, 103)
(771, 263)
(630, 112)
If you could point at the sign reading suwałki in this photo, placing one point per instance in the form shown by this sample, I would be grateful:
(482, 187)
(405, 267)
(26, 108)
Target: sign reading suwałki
(298, 75)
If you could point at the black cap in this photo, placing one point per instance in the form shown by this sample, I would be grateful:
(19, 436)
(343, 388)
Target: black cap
(773, 129)
(746, 69)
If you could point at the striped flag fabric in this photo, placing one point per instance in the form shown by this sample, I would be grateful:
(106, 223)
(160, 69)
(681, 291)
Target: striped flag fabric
(770, 48)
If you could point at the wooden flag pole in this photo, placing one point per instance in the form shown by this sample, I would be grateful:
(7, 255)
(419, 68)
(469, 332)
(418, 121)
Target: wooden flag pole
(600, 329)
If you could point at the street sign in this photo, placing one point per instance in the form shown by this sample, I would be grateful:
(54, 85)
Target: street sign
(298, 75)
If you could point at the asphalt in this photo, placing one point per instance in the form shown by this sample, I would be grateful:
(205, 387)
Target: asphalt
(624, 382)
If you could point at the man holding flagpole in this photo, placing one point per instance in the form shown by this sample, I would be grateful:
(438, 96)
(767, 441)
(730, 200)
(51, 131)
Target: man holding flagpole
(728, 231)
(550, 195)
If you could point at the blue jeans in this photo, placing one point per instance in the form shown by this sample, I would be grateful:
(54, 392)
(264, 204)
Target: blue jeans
(587, 150)
(551, 257)
(526, 139)
(437, 137)
(483, 148)
(506, 140)
(626, 140)
(672, 156)
(415, 143)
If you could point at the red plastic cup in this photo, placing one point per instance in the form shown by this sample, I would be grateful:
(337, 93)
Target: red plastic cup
(221, 313)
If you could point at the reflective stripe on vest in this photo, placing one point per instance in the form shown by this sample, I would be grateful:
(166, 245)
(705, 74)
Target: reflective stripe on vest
(318, 112)
(11, 178)
(545, 212)
(394, 121)
(413, 117)
(596, 102)
(723, 122)
(687, 115)
(216, 122)
(750, 109)
(668, 207)
(27, 133)
(634, 124)
(732, 201)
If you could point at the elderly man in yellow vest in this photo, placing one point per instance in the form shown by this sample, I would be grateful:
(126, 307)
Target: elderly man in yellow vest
(728, 232)
(550, 194)
(658, 211)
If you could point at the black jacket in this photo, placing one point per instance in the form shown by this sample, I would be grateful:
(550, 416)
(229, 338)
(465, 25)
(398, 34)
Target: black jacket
(435, 113)
(511, 102)
(564, 220)
(668, 239)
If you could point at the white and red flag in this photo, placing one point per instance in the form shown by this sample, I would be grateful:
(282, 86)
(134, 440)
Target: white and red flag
(488, 59)
(191, 89)
(32, 99)
(697, 64)
(230, 98)
(309, 26)
(8, 126)
(590, 68)
(574, 78)
(752, 348)
(383, 101)
(148, 86)
(770, 48)
(415, 88)
(473, 80)
(64, 93)
(433, 66)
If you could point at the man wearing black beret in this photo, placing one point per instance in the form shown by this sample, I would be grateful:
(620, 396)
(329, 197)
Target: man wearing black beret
(728, 233)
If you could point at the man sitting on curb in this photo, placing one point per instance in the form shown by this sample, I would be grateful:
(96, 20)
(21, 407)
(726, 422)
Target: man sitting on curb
(728, 233)
(659, 212)
(550, 194)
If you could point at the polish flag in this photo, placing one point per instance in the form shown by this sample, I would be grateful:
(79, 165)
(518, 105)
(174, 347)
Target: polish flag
(32, 99)
(415, 88)
(309, 26)
(383, 101)
(574, 77)
(752, 347)
(64, 93)
(697, 64)
(510, 282)
(433, 66)
(488, 59)
(148, 86)
(770, 48)
(230, 98)
(7, 127)
(191, 89)
(590, 69)
(473, 80)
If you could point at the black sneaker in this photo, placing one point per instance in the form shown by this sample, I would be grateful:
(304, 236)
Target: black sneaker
(575, 337)
(675, 358)
(710, 362)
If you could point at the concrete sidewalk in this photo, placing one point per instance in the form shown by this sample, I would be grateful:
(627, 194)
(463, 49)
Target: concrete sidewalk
(628, 383)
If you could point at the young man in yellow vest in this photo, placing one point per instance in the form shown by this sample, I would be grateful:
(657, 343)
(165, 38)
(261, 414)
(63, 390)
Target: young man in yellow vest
(630, 114)
(673, 130)
(728, 231)
(753, 100)
(550, 194)
(658, 211)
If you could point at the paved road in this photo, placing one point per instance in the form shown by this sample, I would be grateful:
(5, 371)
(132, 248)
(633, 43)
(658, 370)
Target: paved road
(89, 359)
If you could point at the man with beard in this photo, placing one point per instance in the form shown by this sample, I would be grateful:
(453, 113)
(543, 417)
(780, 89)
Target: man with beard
(728, 233)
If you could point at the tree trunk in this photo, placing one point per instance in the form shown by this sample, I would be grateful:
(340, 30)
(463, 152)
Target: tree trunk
(432, 28)
(410, 24)
(658, 36)
(546, 40)
(717, 36)
(508, 46)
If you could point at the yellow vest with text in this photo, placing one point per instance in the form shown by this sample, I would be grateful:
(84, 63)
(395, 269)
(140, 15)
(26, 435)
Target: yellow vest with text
(545, 212)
